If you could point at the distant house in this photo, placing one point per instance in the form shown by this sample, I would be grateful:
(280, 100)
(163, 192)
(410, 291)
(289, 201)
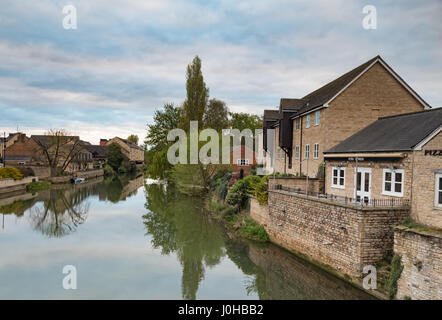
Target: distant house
(103, 142)
(23, 151)
(8, 141)
(99, 154)
(242, 157)
(130, 150)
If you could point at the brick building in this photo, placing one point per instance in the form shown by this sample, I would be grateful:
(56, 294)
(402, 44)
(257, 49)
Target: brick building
(395, 158)
(306, 127)
(242, 157)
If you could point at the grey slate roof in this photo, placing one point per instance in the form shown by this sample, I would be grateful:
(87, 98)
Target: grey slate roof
(395, 133)
(319, 97)
(97, 150)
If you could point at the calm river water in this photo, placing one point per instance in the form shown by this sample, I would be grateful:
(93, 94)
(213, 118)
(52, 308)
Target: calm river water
(128, 240)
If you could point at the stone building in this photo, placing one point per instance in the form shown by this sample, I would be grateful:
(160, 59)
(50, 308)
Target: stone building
(307, 127)
(6, 142)
(394, 158)
(130, 150)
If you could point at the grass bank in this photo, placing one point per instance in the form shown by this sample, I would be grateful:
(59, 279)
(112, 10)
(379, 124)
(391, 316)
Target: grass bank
(34, 187)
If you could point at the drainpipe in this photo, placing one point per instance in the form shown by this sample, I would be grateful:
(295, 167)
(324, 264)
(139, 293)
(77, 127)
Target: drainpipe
(300, 146)
(4, 149)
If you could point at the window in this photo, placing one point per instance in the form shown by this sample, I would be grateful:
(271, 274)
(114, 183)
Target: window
(393, 182)
(297, 123)
(243, 162)
(307, 151)
(438, 191)
(282, 154)
(316, 118)
(307, 121)
(316, 151)
(277, 153)
(338, 177)
(296, 152)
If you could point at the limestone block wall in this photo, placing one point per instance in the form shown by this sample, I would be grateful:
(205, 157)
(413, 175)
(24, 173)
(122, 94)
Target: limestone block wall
(342, 236)
(421, 254)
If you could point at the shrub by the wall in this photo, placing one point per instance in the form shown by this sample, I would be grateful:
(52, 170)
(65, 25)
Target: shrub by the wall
(10, 173)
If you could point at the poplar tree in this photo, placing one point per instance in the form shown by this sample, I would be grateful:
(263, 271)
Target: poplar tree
(195, 104)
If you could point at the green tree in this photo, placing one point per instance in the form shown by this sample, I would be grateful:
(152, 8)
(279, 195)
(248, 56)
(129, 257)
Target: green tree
(195, 104)
(216, 116)
(163, 121)
(133, 138)
(243, 121)
(115, 157)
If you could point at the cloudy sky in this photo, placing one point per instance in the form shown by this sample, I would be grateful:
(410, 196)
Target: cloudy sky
(128, 57)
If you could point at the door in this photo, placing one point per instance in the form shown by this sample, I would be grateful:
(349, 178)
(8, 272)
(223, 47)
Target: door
(363, 184)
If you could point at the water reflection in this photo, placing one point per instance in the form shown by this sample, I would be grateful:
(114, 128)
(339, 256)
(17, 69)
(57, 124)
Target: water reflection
(62, 209)
(180, 224)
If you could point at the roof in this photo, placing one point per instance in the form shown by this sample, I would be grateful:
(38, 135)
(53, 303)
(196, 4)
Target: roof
(291, 104)
(395, 133)
(129, 143)
(9, 137)
(48, 140)
(320, 97)
(97, 150)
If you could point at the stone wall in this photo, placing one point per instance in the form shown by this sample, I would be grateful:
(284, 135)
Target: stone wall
(11, 185)
(342, 236)
(421, 253)
(314, 185)
(89, 174)
(259, 213)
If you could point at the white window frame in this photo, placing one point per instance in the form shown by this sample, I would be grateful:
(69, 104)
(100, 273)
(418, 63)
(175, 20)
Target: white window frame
(297, 121)
(307, 151)
(307, 121)
(393, 183)
(437, 190)
(296, 152)
(316, 151)
(239, 162)
(317, 118)
(338, 178)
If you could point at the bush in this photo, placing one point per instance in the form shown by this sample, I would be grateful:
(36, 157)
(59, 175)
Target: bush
(127, 167)
(38, 186)
(260, 190)
(26, 172)
(395, 274)
(254, 231)
(10, 173)
(238, 194)
(108, 171)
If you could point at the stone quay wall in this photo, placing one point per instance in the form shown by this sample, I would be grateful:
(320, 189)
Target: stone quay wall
(421, 254)
(11, 185)
(342, 236)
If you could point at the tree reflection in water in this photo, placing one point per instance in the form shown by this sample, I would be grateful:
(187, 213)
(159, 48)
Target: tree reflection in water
(179, 224)
(62, 212)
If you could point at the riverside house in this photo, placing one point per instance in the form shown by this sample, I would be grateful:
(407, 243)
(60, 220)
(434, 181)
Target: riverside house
(130, 150)
(396, 158)
(306, 127)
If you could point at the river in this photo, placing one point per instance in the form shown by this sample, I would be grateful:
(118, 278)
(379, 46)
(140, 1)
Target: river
(131, 240)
